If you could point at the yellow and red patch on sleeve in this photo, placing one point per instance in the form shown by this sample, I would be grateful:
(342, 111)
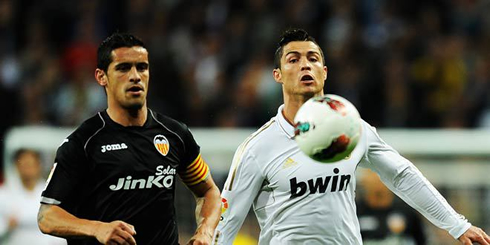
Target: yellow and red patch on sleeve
(196, 172)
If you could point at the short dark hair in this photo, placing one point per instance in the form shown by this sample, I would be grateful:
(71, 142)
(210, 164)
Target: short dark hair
(115, 41)
(291, 35)
(22, 151)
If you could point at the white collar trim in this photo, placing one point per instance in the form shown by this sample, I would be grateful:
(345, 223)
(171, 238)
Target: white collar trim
(283, 123)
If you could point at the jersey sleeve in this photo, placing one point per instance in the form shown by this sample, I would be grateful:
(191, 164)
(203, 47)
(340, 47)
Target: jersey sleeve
(193, 168)
(68, 171)
(407, 182)
(241, 187)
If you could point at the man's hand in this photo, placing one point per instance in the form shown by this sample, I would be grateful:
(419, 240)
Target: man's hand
(116, 232)
(200, 239)
(474, 234)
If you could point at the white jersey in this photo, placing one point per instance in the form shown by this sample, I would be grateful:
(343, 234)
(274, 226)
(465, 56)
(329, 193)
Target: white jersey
(300, 201)
(22, 205)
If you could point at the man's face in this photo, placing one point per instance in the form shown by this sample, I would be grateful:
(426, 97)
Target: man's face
(127, 77)
(28, 166)
(302, 71)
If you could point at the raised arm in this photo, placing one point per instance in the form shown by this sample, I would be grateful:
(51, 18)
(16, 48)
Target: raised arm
(56, 221)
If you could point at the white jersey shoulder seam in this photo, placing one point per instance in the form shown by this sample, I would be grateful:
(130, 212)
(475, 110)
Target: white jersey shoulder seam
(242, 149)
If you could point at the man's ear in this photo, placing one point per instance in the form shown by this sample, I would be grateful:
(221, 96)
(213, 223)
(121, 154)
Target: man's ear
(101, 77)
(276, 73)
(325, 69)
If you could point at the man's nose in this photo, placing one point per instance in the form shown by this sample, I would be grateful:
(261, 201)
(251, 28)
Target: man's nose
(305, 64)
(134, 75)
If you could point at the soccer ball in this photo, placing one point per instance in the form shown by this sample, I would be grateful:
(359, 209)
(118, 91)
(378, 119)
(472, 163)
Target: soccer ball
(327, 128)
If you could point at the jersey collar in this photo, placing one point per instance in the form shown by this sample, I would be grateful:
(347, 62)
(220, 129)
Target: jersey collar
(283, 123)
(109, 120)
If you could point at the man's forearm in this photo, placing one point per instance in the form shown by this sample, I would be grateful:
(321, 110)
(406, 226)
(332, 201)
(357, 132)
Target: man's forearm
(55, 221)
(208, 211)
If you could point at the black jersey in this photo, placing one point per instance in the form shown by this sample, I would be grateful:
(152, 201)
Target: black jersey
(105, 171)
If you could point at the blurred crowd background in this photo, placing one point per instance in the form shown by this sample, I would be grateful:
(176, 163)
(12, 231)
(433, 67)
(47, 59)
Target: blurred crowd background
(404, 64)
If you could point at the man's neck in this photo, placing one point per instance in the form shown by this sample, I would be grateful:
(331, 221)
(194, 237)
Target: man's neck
(292, 105)
(127, 117)
(289, 111)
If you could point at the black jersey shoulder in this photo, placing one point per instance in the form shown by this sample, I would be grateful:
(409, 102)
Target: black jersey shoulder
(88, 129)
(169, 122)
(172, 125)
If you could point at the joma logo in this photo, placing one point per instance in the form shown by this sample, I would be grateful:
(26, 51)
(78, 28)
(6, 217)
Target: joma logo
(113, 147)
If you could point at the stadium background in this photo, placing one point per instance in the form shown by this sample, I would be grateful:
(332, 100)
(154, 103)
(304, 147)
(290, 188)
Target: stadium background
(408, 65)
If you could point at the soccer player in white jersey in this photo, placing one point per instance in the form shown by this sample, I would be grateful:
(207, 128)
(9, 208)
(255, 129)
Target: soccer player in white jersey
(299, 201)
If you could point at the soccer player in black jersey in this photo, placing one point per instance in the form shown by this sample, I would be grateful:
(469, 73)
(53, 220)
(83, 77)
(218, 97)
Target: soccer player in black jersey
(113, 180)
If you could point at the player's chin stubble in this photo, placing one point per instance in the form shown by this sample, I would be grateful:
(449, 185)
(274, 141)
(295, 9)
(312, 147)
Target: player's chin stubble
(133, 106)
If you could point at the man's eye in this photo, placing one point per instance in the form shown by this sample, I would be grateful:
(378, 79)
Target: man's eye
(123, 68)
(293, 60)
(313, 59)
(142, 67)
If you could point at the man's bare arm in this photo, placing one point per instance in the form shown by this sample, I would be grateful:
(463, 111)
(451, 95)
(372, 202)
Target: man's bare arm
(56, 221)
(208, 206)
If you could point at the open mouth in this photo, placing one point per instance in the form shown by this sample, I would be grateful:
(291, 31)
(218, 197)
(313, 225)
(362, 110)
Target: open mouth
(135, 89)
(307, 78)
